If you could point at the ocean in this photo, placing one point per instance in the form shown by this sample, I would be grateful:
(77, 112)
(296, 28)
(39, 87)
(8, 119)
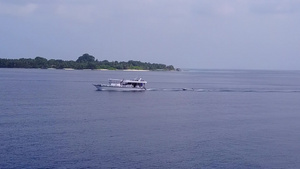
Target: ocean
(222, 119)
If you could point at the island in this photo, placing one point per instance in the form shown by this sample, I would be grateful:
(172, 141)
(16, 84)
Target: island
(85, 61)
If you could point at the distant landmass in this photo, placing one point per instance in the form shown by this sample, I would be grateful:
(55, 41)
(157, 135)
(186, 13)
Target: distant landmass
(85, 61)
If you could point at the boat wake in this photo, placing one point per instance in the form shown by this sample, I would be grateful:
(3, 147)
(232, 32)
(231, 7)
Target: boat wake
(224, 90)
(174, 89)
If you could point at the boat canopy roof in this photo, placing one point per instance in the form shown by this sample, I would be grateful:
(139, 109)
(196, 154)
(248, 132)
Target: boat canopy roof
(134, 81)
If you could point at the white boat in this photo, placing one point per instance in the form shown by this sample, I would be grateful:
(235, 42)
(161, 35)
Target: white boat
(137, 84)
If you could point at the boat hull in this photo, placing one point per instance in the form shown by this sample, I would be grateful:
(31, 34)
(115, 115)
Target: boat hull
(118, 88)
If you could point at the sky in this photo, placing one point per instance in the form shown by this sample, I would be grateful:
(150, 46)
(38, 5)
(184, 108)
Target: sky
(201, 34)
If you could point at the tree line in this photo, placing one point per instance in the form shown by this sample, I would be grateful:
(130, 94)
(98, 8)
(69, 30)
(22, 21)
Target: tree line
(85, 61)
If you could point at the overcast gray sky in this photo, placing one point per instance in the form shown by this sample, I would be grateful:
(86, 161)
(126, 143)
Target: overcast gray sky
(222, 34)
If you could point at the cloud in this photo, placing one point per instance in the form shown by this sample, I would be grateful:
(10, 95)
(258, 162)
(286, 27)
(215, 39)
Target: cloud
(275, 7)
(82, 13)
(246, 7)
(225, 9)
(17, 9)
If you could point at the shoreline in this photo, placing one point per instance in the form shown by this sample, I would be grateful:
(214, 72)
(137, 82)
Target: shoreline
(135, 70)
(71, 69)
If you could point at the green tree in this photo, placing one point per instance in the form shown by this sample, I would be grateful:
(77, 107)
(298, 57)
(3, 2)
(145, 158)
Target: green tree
(85, 58)
(85, 61)
(40, 62)
(91, 66)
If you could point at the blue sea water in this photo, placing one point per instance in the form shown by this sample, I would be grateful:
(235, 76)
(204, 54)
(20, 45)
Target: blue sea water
(223, 119)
